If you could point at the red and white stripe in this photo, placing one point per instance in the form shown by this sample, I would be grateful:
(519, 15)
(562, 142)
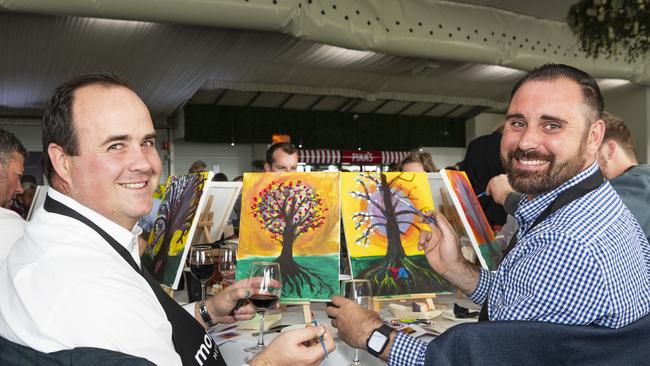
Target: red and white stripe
(320, 156)
(392, 157)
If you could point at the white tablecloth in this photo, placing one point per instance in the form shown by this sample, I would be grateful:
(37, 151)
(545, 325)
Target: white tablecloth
(233, 350)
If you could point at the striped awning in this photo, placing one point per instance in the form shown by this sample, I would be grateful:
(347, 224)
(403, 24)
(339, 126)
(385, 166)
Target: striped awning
(392, 157)
(324, 156)
(321, 156)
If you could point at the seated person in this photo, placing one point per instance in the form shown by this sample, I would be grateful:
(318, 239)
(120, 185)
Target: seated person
(580, 257)
(74, 279)
(417, 162)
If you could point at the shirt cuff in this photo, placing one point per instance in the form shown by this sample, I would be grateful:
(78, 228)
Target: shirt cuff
(407, 351)
(484, 283)
(190, 308)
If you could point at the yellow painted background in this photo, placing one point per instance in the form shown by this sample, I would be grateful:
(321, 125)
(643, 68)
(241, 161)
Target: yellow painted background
(415, 183)
(255, 241)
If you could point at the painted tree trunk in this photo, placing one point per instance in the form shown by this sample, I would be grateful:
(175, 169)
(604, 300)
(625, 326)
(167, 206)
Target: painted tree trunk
(395, 250)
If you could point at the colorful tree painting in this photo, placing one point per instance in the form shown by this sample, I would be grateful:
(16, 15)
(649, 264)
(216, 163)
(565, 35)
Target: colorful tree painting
(292, 219)
(383, 219)
(288, 210)
(175, 222)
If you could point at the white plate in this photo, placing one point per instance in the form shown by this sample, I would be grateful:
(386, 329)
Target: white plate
(449, 315)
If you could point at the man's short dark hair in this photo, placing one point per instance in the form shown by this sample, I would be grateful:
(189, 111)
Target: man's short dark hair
(284, 146)
(590, 90)
(57, 118)
(9, 144)
(615, 129)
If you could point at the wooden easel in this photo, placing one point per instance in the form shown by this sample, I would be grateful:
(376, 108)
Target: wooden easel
(306, 309)
(378, 300)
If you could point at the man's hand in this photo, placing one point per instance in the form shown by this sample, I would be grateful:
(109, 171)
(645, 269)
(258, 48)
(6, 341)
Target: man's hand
(499, 188)
(221, 305)
(296, 347)
(353, 322)
(442, 249)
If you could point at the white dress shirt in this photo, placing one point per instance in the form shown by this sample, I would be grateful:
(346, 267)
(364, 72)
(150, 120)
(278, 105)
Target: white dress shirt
(11, 227)
(64, 286)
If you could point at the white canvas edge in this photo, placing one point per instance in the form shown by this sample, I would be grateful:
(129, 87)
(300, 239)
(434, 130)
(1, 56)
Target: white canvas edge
(190, 234)
(233, 189)
(463, 218)
(38, 201)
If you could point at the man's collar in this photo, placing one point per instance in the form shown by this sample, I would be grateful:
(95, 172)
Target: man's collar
(123, 236)
(529, 209)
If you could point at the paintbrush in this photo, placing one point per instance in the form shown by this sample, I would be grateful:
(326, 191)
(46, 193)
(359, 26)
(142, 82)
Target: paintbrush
(320, 338)
(428, 218)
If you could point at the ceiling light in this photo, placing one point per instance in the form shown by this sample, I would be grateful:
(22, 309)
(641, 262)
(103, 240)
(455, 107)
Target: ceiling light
(609, 84)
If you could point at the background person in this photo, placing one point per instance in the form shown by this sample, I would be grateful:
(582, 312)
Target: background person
(281, 157)
(12, 159)
(417, 162)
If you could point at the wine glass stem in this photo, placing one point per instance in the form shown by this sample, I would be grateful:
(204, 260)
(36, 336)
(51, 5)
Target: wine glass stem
(356, 356)
(260, 338)
(203, 291)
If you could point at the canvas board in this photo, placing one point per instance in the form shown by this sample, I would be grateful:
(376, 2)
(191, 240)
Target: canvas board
(224, 195)
(473, 218)
(293, 219)
(38, 201)
(174, 228)
(382, 231)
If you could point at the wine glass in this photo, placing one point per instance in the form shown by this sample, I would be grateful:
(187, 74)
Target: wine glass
(358, 291)
(265, 282)
(227, 264)
(201, 265)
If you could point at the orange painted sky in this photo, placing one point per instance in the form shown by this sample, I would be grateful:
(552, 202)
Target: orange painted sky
(255, 241)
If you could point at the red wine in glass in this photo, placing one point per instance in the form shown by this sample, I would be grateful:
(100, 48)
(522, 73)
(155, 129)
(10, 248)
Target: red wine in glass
(265, 281)
(202, 272)
(263, 302)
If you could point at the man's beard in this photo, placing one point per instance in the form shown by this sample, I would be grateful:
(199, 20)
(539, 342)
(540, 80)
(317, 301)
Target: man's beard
(538, 182)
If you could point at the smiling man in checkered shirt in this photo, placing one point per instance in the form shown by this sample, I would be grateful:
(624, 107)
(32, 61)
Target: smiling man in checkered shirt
(586, 263)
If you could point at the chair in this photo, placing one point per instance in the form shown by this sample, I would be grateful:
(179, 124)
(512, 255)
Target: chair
(540, 343)
(12, 354)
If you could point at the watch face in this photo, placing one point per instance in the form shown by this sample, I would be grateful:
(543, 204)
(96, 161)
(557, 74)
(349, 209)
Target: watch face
(377, 341)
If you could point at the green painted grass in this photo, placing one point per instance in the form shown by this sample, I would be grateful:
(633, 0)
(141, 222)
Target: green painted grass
(442, 286)
(326, 266)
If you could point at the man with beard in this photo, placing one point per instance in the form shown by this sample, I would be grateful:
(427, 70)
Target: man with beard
(579, 257)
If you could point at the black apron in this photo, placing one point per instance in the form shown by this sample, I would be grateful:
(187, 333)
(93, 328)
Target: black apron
(569, 195)
(191, 342)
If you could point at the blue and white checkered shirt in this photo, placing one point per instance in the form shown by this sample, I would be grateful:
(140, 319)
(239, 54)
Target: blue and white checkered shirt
(588, 263)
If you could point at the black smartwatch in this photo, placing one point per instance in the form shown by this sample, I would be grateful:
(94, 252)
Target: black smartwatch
(378, 340)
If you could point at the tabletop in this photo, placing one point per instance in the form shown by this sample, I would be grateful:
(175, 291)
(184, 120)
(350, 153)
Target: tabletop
(233, 348)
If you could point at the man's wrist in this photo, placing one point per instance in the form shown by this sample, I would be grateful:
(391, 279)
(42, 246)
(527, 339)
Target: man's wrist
(464, 275)
(205, 315)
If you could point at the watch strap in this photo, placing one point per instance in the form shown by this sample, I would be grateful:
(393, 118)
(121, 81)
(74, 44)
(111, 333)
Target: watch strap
(385, 330)
(205, 315)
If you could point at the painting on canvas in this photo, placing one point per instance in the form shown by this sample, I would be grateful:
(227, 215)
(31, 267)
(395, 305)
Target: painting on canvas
(471, 214)
(382, 231)
(292, 219)
(174, 227)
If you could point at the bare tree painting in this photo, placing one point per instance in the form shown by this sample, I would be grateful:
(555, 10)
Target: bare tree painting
(384, 214)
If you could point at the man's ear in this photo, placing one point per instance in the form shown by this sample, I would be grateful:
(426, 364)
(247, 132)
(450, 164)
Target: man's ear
(267, 167)
(60, 161)
(612, 147)
(595, 137)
